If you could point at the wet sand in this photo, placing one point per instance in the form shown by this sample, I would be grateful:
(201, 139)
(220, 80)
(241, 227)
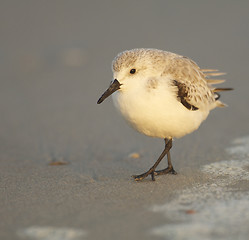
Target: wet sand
(55, 63)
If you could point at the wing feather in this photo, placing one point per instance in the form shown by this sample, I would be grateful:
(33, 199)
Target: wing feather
(198, 90)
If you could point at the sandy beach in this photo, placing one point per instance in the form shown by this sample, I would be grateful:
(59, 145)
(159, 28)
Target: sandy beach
(66, 163)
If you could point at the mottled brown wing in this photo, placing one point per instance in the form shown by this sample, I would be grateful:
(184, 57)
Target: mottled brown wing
(193, 90)
(182, 95)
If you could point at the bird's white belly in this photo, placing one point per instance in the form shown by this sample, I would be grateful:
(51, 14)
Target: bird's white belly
(158, 116)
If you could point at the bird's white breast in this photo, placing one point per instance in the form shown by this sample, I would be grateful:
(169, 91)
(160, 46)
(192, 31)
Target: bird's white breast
(156, 111)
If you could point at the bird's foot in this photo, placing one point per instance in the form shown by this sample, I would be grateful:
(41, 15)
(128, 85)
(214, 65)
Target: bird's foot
(165, 171)
(144, 175)
(154, 173)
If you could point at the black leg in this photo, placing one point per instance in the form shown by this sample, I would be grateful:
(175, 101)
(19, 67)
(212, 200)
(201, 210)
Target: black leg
(168, 145)
(170, 168)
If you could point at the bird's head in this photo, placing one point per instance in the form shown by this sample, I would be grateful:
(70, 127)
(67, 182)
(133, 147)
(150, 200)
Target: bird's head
(130, 68)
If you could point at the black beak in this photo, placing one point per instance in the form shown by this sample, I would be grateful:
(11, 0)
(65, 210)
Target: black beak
(112, 88)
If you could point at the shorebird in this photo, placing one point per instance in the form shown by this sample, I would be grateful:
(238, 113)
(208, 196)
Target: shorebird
(162, 94)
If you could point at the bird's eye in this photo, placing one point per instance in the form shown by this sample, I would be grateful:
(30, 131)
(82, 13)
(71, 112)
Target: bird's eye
(132, 71)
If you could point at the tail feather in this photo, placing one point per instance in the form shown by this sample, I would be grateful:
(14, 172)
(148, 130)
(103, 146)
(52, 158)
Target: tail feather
(211, 73)
(220, 104)
(215, 81)
(222, 89)
(217, 95)
(209, 70)
(214, 74)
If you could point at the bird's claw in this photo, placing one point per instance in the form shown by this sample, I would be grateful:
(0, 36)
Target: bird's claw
(154, 173)
(144, 175)
(166, 171)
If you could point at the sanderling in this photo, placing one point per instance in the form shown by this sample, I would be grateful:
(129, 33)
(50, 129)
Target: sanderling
(162, 94)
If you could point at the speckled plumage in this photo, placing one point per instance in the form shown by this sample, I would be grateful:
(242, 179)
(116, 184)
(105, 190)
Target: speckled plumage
(199, 89)
(162, 94)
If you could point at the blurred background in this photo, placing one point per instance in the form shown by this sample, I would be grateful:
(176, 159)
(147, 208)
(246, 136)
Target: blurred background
(55, 62)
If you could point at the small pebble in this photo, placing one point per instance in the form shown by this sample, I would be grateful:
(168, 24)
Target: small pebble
(134, 155)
